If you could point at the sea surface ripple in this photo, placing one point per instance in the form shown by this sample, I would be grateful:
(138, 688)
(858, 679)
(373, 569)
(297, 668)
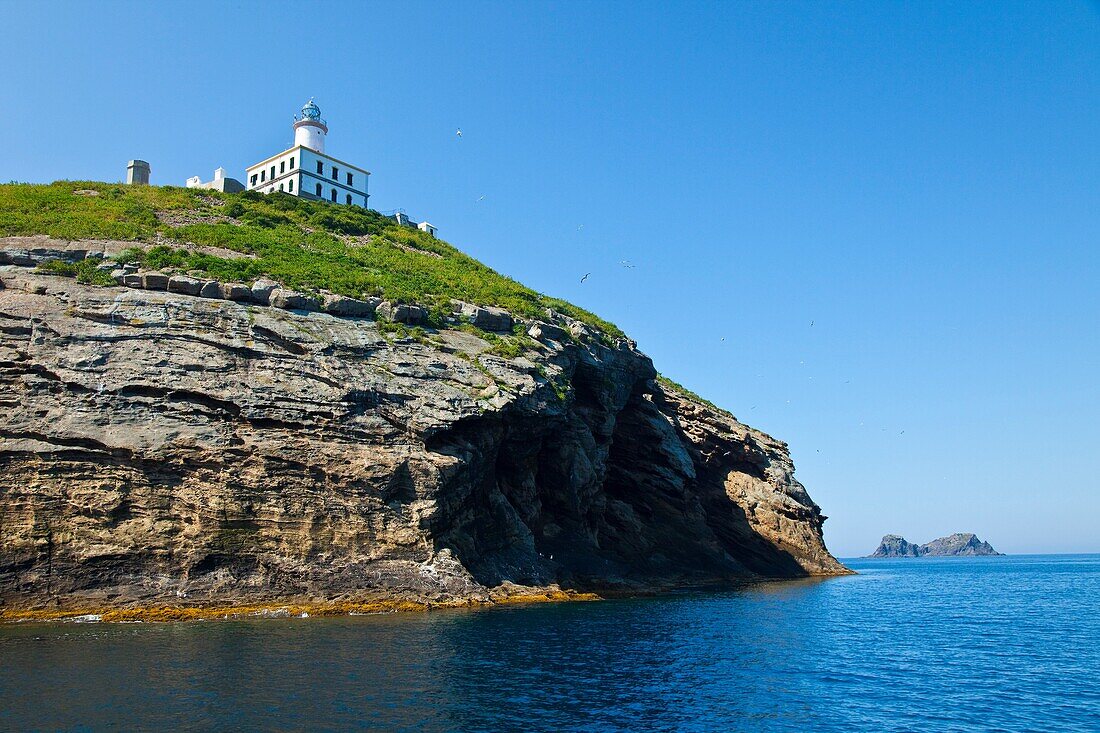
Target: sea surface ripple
(953, 644)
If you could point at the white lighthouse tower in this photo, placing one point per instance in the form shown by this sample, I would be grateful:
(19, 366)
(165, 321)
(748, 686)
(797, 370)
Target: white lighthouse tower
(309, 128)
(306, 170)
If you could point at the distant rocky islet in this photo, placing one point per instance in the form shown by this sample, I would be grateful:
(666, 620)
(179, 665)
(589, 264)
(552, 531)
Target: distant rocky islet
(961, 544)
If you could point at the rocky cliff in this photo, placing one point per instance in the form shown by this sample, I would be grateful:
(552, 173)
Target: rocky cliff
(160, 447)
(966, 544)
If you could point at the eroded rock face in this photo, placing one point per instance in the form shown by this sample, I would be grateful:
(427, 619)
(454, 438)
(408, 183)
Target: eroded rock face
(160, 447)
(893, 545)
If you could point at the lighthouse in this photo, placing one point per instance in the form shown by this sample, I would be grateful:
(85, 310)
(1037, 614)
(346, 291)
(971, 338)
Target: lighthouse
(306, 170)
(309, 128)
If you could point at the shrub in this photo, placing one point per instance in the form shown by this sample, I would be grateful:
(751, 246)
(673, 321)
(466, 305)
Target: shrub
(85, 271)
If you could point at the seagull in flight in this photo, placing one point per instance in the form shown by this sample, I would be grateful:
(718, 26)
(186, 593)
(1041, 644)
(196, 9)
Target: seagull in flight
(585, 276)
(580, 227)
(459, 132)
(480, 198)
(626, 264)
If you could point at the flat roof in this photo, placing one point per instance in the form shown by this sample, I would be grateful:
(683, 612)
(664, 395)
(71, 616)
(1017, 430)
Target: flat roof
(303, 147)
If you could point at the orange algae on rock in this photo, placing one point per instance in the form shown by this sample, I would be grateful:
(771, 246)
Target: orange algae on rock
(147, 614)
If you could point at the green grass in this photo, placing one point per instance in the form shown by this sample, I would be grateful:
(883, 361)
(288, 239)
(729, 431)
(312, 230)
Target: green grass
(307, 245)
(676, 386)
(84, 271)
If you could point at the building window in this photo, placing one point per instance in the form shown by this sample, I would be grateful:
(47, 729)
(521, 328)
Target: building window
(349, 198)
(292, 162)
(253, 182)
(333, 194)
(320, 167)
(273, 173)
(282, 166)
(280, 187)
(335, 173)
(318, 190)
(263, 176)
(290, 185)
(350, 179)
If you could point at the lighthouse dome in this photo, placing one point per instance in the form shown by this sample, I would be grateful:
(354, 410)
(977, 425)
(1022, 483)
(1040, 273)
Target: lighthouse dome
(311, 111)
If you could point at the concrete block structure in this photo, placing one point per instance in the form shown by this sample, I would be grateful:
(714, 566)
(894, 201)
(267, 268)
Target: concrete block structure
(137, 173)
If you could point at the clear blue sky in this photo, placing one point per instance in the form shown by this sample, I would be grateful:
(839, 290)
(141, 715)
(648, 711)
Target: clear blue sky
(919, 181)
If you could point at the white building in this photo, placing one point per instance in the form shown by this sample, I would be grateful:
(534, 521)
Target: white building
(305, 170)
(220, 182)
(403, 219)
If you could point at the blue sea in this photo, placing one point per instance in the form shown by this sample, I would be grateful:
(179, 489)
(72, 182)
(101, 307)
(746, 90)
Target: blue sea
(953, 644)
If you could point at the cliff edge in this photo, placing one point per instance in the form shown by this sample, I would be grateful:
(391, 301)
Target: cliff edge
(165, 448)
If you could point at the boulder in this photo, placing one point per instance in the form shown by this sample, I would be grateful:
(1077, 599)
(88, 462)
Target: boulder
(184, 285)
(401, 313)
(29, 257)
(16, 256)
(154, 281)
(236, 291)
(486, 317)
(132, 280)
(292, 300)
(130, 269)
(546, 331)
(261, 290)
(580, 331)
(339, 305)
(211, 289)
(117, 275)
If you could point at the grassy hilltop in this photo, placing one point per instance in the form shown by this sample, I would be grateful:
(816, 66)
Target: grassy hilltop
(307, 245)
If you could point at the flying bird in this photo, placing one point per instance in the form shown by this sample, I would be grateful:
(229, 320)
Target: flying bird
(811, 324)
(626, 264)
(585, 276)
(480, 198)
(580, 227)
